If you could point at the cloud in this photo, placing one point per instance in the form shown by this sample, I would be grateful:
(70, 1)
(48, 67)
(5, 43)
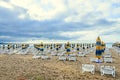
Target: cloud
(6, 5)
(91, 33)
(90, 11)
(5, 37)
(69, 20)
(41, 10)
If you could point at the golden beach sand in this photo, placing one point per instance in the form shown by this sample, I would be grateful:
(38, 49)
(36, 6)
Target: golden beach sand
(23, 67)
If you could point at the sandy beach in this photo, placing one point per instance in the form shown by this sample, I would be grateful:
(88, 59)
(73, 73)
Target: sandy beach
(59, 40)
(23, 67)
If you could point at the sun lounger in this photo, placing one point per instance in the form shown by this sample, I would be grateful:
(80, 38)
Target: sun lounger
(45, 57)
(107, 70)
(53, 54)
(108, 60)
(93, 59)
(72, 55)
(96, 60)
(36, 56)
(60, 54)
(62, 58)
(88, 68)
(107, 55)
(10, 51)
(81, 54)
(72, 58)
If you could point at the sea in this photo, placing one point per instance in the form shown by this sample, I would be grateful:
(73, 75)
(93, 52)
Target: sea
(109, 45)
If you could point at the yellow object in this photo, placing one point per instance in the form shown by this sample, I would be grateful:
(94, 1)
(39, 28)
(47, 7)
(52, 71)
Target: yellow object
(98, 48)
(98, 39)
(41, 45)
(99, 57)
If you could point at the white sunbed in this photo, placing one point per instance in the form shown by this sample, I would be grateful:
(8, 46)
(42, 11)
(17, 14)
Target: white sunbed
(81, 54)
(96, 60)
(107, 70)
(72, 55)
(93, 59)
(107, 55)
(88, 68)
(36, 56)
(53, 54)
(27, 50)
(5, 51)
(62, 58)
(108, 60)
(72, 58)
(18, 50)
(10, 51)
(60, 54)
(45, 57)
(73, 50)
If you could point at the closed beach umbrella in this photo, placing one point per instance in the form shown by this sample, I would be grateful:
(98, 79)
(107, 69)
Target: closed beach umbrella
(103, 47)
(41, 47)
(57, 47)
(78, 47)
(98, 48)
(68, 47)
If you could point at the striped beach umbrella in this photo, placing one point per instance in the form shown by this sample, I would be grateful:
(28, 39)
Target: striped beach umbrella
(68, 48)
(98, 48)
(41, 47)
(78, 47)
(57, 47)
(102, 47)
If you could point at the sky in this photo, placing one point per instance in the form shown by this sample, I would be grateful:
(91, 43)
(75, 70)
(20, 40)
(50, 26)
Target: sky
(80, 20)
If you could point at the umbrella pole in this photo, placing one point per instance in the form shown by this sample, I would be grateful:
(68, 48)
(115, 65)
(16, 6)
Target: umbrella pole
(98, 66)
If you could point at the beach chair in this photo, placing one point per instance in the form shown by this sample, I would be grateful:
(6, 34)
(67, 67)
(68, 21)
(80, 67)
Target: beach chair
(15, 51)
(5, 51)
(60, 54)
(81, 54)
(108, 59)
(72, 55)
(36, 56)
(107, 70)
(73, 51)
(107, 55)
(53, 54)
(93, 59)
(18, 50)
(48, 51)
(88, 68)
(44, 57)
(91, 50)
(62, 58)
(10, 51)
(26, 51)
(72, 58)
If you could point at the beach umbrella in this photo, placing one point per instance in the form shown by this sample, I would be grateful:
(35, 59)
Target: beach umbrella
(41, 47)
(98, 48)
(78, 47)
(68, 48)
(102, 47)
(51, 46)
(65, 46)
(57, 47)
